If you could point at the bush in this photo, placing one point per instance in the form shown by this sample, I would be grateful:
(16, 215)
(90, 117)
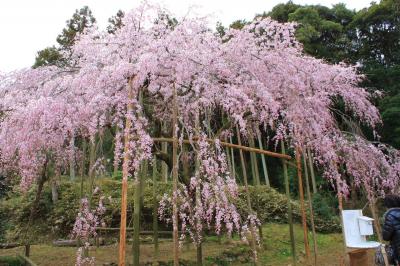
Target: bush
(56, 220)
(10, 261)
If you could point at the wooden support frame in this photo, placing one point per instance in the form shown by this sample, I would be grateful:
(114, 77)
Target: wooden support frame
(230, 145)
(289, 205)
(175, 178)
(174, 141)
(125, 173)
(302, 205)
(310, 206)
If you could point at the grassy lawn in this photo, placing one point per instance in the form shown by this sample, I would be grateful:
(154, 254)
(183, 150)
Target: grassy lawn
(275, 250)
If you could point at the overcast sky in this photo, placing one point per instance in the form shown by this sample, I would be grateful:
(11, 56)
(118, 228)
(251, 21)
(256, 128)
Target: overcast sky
(27, 26)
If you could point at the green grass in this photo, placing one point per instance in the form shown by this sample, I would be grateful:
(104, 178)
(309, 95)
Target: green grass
(275, 250)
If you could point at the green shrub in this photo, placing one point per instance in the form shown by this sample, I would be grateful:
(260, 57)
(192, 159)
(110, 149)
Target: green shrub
(10, 261)
(56, 220)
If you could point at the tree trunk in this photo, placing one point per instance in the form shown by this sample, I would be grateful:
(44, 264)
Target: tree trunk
(35, 203)
(54, 187)
(199, 254)
(40, 182)
(289, 205)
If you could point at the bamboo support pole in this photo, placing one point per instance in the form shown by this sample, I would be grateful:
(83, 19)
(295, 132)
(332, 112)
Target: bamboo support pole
(340, 203)
(254, 165)
(309, 197)
(289, 205)
(228, 157)
(199, 244)
(232, 158)
(125, 173)
(92, 158)
(72, 158)
(83, 160)
(136, 215)
(302, 205)
(155, 213)
(252, 230)
(175, 178)
(263, 161)
(231, 145)
(164, 166)
(116, 165)
(311, 165)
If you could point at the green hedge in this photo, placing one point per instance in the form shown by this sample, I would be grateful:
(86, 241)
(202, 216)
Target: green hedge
(56, 220)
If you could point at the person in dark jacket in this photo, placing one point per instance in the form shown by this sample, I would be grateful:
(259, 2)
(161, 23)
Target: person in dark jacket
(391, 226)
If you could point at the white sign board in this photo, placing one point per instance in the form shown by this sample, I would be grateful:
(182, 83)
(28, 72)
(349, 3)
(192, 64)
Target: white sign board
(353, 233)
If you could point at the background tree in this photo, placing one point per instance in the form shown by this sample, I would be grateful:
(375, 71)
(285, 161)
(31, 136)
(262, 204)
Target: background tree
(81, 19)
(376, 39)
(115, 22)
(368, 38)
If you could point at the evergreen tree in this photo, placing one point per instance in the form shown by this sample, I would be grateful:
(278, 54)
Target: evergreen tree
(81, 19)
(115, 22)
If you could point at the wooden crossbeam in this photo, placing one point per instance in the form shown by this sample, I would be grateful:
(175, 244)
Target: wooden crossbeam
(230, 145)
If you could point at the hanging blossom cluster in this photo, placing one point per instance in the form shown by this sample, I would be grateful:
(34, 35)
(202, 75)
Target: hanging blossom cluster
(85, 226)
(372, 167)
(207, 202)
(140, 142)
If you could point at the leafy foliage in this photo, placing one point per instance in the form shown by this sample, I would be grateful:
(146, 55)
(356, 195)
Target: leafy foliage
(56, 222)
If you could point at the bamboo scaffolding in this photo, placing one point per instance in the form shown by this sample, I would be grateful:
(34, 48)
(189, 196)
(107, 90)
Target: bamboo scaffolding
(232, 158)
(83, 160)
(340, 203)
(164, 166)
(231, 145)
(302, 205)
(136, 214)
(252, 229)
(254, 164)
(263, 161)
(175, 178)
(72, 158)
(306, 176)
(116, 165)
(155, 212)
(310, 162)
(290, 216)
(125, 173)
